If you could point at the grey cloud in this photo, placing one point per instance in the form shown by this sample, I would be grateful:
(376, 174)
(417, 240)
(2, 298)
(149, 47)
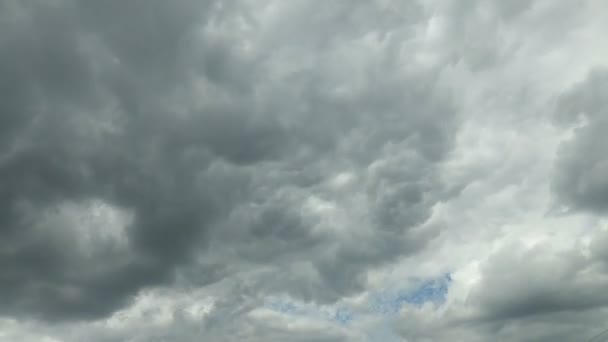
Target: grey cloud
(581, 326)
(81, 128)
(400, 188)
(528, 294)
(160, 111)
(572, 284)
(291, 148)
(392, 129)
(581, 177)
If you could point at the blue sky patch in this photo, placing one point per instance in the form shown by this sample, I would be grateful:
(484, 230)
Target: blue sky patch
(282, 306)
(343, 316)
(429, 291)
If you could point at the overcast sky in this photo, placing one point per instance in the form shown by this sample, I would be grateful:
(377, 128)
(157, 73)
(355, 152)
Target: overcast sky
(303, 170)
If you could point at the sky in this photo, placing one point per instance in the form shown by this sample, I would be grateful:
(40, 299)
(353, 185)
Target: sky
(303, 170)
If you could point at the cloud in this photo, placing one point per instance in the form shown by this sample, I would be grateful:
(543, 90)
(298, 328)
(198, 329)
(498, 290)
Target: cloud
(92, 122)
(524, 303)
(170, 168)
(581, 180)
(205, 139)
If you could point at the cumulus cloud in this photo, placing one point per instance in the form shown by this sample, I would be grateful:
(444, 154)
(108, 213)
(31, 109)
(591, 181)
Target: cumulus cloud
(581, 179)
(167, 113)
(170, 168)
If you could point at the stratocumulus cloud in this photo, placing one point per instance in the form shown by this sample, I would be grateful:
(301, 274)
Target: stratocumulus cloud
(303, 170)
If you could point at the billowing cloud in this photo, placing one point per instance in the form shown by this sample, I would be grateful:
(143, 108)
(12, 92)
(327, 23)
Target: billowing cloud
(302, 170)
(165, 119)
(582, 174)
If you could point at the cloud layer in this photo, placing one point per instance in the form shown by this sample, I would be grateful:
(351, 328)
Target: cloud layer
(302, 170)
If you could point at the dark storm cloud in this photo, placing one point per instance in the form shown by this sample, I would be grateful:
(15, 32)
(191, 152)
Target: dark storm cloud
(582, 168)
(390, 127)
(395, 149)
(86, 117)
(209, 141)
(168, 168)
